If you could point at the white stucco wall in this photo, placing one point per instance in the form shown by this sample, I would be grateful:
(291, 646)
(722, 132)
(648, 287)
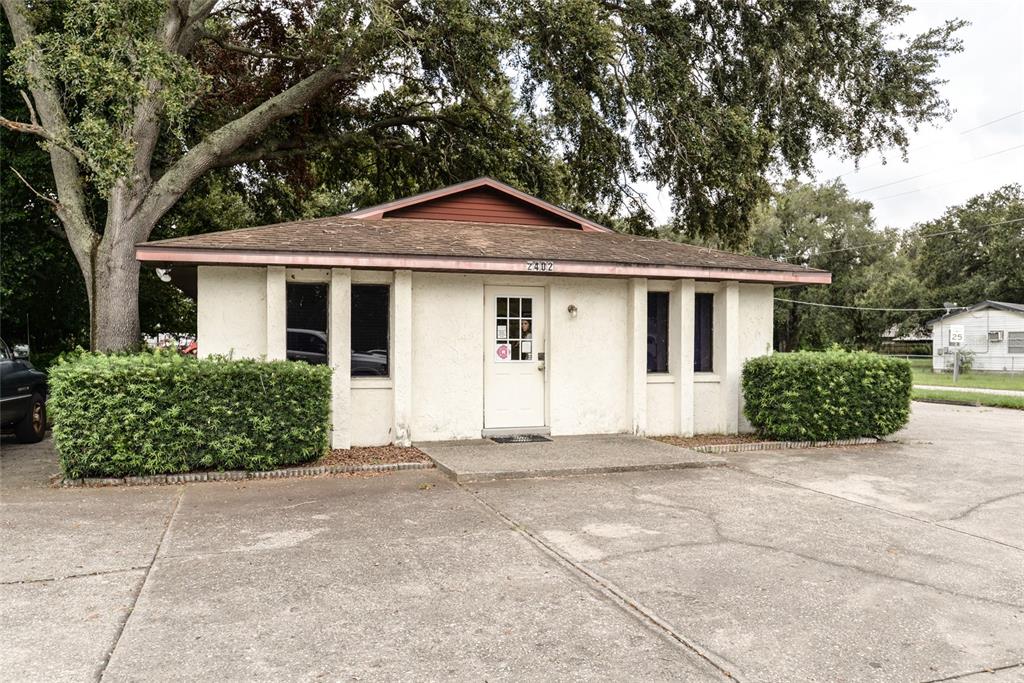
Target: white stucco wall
(757, 331)
(447, 356)
(232, 311)
(587, 366)
(661, 407)
(438, 350)
(712, 407)
(372, 412)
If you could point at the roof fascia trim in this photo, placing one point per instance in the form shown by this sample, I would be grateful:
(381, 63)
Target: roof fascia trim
(246, 257)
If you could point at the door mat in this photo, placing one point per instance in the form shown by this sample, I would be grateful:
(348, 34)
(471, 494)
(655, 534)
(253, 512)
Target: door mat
(520, 438)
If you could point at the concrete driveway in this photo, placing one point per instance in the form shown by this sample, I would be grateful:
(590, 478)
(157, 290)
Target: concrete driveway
(901, 562)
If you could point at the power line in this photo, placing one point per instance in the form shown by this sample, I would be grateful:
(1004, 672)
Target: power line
(920, 189)
(860, 308)
(878, 242)
(938, 170)
(937, 142)
(989, 123)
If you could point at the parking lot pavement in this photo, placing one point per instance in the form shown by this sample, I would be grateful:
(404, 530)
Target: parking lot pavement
(832, 564)
(892, 562)
(385, 577)
(959, 467)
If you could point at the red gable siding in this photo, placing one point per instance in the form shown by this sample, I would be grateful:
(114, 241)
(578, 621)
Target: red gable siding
(483, 205)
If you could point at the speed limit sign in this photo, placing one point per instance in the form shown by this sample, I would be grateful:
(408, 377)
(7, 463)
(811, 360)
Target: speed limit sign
(956, 335)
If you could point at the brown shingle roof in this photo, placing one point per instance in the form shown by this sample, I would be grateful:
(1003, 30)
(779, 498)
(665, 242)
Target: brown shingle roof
(469, 240)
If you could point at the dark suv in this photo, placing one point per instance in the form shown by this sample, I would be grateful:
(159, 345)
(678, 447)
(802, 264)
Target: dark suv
(22, 395)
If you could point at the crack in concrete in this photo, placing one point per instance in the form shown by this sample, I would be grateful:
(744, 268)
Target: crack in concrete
(84, 575)
(102, 670)
(608, 589)
(723, 538)
(982, 504)
(887, 511)
(980, 672)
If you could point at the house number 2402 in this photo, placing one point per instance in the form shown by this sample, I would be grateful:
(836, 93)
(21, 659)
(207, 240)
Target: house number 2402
(540, 266)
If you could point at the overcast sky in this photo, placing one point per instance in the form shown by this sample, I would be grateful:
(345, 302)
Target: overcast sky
(985, 82)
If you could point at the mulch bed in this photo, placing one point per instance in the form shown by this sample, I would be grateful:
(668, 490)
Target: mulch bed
(708, 439)
(371, 455)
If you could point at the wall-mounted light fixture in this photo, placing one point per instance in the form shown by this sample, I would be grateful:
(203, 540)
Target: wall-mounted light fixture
(573, 310)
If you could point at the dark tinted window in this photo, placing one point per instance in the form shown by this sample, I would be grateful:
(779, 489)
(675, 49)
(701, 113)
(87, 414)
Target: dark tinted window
(703, 332)
(657, 332)
(307, 322)
(370, 313)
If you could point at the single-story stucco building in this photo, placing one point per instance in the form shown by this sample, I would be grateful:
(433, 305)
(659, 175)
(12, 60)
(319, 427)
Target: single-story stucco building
(477, 309)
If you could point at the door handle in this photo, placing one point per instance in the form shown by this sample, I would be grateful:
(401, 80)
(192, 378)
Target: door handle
(541, 367)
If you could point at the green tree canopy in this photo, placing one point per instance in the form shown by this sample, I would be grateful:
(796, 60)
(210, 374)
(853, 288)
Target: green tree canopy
(974, 251)
(136, 101)
(816, 226)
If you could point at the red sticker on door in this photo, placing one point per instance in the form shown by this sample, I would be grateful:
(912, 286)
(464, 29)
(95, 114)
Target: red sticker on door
(502, 351)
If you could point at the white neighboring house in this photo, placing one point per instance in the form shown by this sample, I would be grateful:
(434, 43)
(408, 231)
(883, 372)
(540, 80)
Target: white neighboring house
(993, 331)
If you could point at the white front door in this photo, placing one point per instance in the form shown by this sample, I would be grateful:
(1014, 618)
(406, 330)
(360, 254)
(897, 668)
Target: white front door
(513, 369)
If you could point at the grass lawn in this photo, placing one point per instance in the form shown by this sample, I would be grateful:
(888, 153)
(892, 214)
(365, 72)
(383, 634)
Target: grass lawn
(976, 380)
(992, 400)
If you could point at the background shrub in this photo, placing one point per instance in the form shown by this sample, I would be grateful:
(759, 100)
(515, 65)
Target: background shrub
(820, 396)
(162, 413)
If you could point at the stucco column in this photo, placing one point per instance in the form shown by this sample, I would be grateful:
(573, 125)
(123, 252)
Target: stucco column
(340, 340)
(637, 372)
(730, 373)
(680, 347)
(401, 355)
(277, 313)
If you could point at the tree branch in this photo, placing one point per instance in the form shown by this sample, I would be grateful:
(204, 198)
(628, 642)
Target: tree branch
(66, 172)
(291, 147)
(49, 200)
(31, 109)
(242, 49)
(20, 127)
(229, 138)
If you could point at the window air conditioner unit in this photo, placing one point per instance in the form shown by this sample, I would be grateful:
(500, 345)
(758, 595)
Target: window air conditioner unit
(995, 336)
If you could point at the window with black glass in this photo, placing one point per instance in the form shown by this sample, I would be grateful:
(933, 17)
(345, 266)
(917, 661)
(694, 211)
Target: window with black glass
(703, 332)
(307, 322)
(657, 332)
(370, 325)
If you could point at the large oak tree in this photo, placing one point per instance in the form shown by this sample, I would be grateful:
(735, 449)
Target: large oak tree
(136, 101)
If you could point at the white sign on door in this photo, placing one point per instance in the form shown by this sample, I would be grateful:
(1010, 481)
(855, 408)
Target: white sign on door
(956, 335)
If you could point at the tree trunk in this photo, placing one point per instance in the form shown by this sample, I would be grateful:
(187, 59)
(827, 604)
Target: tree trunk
(114, 305)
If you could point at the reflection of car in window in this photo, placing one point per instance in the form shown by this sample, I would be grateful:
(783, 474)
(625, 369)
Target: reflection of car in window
(373, 363)
(311, 346)
(308, 345)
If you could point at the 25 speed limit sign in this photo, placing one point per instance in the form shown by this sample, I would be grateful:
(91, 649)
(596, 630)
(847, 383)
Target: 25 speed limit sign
(956, 335)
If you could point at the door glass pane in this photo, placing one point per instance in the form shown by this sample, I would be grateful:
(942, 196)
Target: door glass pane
(513, 329)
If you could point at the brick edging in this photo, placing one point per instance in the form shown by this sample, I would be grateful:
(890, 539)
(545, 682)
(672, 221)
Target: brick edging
(242, 475)
(777, 445)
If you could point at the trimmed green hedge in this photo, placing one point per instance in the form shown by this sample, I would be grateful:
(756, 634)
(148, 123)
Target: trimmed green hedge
(162, 413)
(821, 396)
